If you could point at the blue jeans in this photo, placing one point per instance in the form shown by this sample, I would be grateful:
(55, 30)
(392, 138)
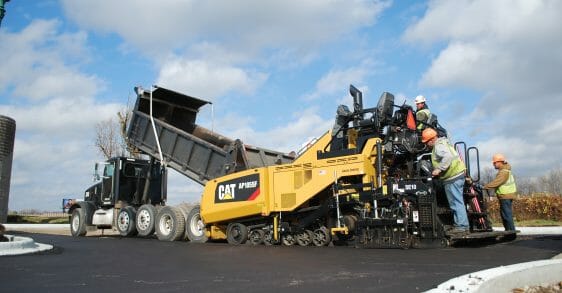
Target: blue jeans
(507, 214)
(454, 190)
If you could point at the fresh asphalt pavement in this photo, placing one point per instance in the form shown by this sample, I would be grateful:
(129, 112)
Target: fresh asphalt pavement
(112, 264)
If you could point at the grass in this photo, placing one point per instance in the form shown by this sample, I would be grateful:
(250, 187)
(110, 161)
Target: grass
(537, 223)
(15, 219)
(531, 223)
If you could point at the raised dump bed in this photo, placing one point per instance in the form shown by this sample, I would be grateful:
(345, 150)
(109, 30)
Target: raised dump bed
(188, 148)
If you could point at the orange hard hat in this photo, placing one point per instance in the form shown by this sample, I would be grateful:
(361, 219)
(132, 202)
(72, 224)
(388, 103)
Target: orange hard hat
(428, 134)
(498, 158)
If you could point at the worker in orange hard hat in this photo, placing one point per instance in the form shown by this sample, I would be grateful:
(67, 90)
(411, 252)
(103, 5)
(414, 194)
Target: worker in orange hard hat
(505, 187)
(422, 112)
(448, 166)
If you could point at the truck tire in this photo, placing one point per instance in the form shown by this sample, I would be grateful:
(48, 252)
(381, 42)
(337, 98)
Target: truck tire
(78, 223)
(236, 233)
(194, 227)
(146, 216)
(126, 219)
(170, 224)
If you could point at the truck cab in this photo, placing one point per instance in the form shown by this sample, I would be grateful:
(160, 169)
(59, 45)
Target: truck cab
(122, 179)
(121, 186)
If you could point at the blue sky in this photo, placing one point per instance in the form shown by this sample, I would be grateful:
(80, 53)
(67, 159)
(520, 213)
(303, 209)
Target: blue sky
(276, 72)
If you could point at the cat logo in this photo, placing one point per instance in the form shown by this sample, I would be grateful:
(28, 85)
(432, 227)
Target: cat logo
(246, 188)
(227, 191)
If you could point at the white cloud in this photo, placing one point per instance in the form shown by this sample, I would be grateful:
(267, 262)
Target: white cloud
(219, 46)
(181, 189)
(37, 63)
(286, 138)
(337, 80)
(511, 52)
(208, 79)
(519, 152)
(510, 47)
(256, 25)
(54, 106)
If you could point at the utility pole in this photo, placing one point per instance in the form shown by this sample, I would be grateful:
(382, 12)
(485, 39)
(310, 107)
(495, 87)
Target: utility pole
(2, 10)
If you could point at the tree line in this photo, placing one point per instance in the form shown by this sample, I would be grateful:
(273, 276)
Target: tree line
(547, 184)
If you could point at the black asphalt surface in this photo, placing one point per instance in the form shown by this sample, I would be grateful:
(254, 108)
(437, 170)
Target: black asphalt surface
(115, 264)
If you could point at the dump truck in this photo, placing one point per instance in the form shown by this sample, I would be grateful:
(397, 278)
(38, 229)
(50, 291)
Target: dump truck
(366, 182)
(124, 188)
(129, 194)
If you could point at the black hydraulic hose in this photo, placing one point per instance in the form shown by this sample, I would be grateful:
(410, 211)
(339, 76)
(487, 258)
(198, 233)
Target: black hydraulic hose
(147, 182)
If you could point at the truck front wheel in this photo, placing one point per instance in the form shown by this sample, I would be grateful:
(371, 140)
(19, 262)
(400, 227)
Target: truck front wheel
(78, 223)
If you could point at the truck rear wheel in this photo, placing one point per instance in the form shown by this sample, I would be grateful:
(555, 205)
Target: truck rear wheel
(126, 222)
(170, 224)
(78, 223)
(236, 233)
(195, 228)
(146, 216)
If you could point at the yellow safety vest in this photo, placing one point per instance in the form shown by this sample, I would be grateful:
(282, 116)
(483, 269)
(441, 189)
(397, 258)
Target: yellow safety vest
(456, 167)
(508, 187)
(420, 124)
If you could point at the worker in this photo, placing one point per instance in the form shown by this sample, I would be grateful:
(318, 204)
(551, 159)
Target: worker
(422, 112)
(504, 185)
(448, 166)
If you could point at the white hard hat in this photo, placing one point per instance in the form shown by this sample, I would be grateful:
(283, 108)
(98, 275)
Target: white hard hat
(420, 99)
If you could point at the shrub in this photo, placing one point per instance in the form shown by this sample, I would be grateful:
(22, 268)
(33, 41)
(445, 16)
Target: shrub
(525, 208)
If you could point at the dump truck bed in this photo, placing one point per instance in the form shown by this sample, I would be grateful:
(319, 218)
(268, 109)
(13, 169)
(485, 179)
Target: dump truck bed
(188, 148)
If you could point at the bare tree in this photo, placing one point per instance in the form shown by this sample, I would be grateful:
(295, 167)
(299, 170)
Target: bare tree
(549, 183)
(108, 138)
(111, 136)
(542, 184)
(488, 175)
(553, 181)
(124, 119)
(526, 185)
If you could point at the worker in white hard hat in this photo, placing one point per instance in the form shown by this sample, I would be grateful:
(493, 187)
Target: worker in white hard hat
(422, 112)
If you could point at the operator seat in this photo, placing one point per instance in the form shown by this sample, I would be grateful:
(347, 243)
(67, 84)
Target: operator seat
(339, 131)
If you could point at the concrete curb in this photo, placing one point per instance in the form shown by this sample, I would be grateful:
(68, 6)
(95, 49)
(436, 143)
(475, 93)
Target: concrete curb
(552, 230)
(35, 226)
(505, 278)
(21, 245)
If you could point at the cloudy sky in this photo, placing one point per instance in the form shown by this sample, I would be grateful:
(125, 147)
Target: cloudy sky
(275, 71)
